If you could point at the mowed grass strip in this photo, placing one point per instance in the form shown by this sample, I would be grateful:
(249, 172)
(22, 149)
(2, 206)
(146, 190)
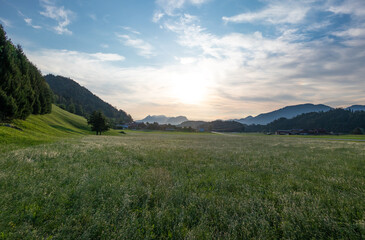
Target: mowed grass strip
(184, 186)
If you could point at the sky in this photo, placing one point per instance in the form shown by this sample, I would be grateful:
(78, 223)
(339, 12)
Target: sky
(203, 59)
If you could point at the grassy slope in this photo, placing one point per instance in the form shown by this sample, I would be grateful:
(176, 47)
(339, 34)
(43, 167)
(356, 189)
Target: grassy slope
(184, 186)
(39, 129)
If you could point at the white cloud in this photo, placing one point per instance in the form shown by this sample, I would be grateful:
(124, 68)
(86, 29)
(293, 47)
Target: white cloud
(60, 14)
(186, 60)
(103, 57)
(351, 32)
(169, 6)
(29, 22)
(353, 7)
(129, 29)
(235, 46)
(84, 57)
(5, 22)
(277, 12)
(157, 16)
(144, 49)
(93, 17)
(103, 45)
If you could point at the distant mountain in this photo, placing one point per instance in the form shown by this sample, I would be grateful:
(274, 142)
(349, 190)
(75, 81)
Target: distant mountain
(162, 119)
(356, 108)
(76, 99)
(286, 112)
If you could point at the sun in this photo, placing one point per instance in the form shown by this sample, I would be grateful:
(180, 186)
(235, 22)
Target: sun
(189, 93)
(190, 88)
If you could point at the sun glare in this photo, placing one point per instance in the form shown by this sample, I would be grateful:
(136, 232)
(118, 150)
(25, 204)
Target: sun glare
(190, 88)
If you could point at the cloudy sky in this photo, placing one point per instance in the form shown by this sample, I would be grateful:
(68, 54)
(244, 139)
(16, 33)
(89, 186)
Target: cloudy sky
(205, 59)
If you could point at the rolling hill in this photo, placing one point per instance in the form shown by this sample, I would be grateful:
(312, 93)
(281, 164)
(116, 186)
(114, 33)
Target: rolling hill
(39, 129)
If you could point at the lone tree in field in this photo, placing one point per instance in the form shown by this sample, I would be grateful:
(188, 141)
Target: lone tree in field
(98, 122)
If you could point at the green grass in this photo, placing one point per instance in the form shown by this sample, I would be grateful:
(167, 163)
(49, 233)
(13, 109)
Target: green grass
(38, 129)
(184, 186)
(332, 137)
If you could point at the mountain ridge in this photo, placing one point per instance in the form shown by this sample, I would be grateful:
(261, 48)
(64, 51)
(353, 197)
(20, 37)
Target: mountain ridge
(286, 112)
(291, 112)
(356, 108)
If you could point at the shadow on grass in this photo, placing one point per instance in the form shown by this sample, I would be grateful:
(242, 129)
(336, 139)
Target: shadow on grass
(65, 129)
(78, 125)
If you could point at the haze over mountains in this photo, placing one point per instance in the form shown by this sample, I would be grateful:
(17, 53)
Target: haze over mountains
(262, 119)
(290, 112)
(356, 108)
(162, 119)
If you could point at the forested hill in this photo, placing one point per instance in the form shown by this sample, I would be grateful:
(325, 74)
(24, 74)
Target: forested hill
(286, 112)
(23, 90)
(79, 100)
(336, 120)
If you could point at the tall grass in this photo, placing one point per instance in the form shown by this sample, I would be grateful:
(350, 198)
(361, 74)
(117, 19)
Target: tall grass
(177, 186)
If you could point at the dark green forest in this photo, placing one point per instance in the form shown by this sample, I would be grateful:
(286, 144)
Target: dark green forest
(74, 98)
(23, 90)
(223, 126)
(215, 126)
(336, 120)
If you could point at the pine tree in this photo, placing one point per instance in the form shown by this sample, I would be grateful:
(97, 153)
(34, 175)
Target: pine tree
(23, 88)
(8, 107)
(98, 122)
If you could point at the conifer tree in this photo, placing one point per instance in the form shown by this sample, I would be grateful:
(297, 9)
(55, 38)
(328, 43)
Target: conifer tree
(98, 122)
(23, 89)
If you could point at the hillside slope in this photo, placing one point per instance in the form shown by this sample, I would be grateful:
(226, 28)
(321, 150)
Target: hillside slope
(42, 128)
(80, 100)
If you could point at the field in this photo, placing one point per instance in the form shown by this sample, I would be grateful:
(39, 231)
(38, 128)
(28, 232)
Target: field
(183, 186)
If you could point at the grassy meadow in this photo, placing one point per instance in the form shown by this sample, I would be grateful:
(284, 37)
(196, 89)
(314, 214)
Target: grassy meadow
(183, 186)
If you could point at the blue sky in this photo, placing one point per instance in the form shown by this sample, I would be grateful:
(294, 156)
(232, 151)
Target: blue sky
(205, 59)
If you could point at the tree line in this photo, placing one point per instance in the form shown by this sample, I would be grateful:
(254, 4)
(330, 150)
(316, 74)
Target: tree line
(159, 127)
(23, 90)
